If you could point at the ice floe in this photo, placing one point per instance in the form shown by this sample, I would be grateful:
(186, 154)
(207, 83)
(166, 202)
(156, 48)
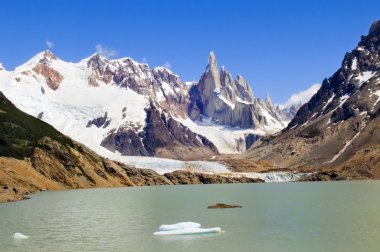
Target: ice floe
(190, 231)
(185, 228)
(20, 236)
(180, 225)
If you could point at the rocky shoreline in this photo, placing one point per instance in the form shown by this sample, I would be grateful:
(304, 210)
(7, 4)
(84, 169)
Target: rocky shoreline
(139, 177)
(148, 177)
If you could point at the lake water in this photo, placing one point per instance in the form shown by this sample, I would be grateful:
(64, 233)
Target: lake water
(331, 216)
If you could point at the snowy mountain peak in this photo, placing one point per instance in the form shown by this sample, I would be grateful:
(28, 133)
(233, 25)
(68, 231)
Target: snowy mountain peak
(1, 67)
(96, 60)
(42, 66)
(48, 55)
(44, 57)
(162, 69)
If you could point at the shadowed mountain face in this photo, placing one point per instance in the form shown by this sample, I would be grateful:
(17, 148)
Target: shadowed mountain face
(339, 127)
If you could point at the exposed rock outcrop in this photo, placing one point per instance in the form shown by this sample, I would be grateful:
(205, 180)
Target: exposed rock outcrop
(102, 121)
(53, 77)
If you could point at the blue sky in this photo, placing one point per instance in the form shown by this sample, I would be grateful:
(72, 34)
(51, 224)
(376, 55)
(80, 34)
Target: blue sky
(280, 47)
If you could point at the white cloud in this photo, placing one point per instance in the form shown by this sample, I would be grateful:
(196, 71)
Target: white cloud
(49, 44)
(107, 52)
(144, 60)
(302, 96)
(167, 64)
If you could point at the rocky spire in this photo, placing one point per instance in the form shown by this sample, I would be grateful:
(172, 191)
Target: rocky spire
(268, 101)
(245, 90)
(212, 59)
(212, 68)
(227, 101)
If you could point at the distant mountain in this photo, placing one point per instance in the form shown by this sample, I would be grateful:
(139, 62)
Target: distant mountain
(339, 127)
(295, 101)
(125, 108)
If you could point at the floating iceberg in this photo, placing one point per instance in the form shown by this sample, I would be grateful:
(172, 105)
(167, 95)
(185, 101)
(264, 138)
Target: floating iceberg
(20, 236)
(185, 228)
(189, 231)
(180, 225)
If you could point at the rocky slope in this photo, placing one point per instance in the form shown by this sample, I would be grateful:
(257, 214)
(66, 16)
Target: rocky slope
(34, 156)
(339, 127)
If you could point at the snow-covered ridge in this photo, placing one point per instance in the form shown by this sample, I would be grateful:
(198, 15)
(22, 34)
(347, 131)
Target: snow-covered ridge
(96, 97)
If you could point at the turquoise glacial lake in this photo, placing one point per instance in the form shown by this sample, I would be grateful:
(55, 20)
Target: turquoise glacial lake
(321, 216)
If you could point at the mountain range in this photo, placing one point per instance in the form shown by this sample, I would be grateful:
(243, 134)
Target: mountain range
(121, 108)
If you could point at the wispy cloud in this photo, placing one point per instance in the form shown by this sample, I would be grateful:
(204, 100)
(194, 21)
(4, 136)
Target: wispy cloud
(107, 52)
(49, 44)
(144, 59)
(167, 64)
(302, 96)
